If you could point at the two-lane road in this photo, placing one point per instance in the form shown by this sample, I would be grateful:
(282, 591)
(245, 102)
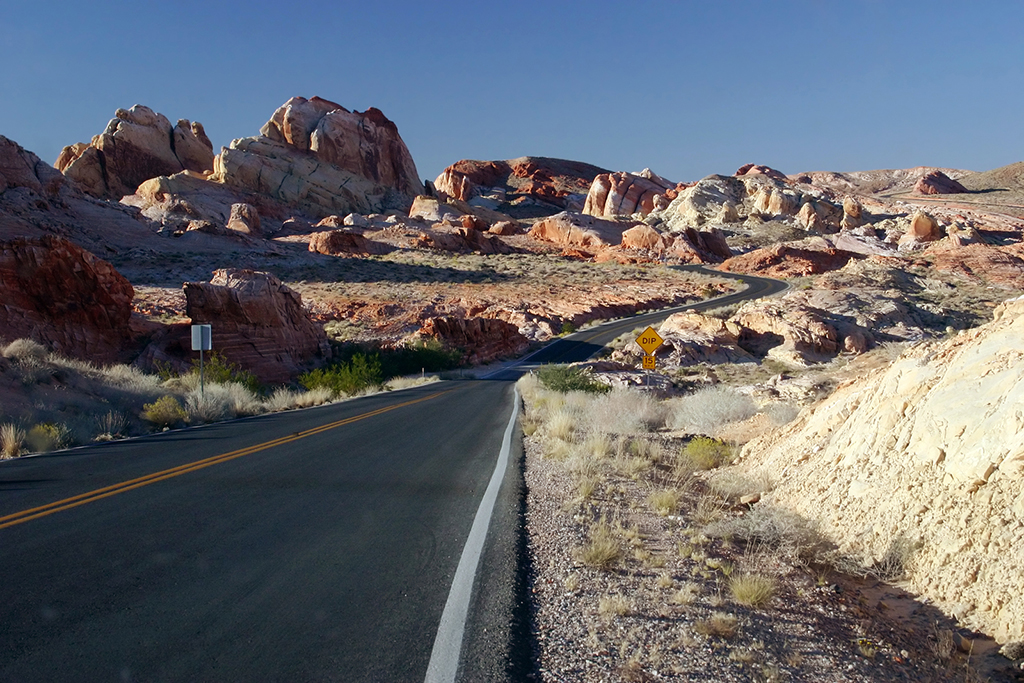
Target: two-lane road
(315, 545)
(325, 555)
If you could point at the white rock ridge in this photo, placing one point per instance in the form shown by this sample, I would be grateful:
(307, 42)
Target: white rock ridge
(931, 451)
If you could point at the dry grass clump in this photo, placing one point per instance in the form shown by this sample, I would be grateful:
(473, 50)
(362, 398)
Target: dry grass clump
(602, 549)
(12, 438)
(752, 590)
(221, 402)
(625, 411)
(111, 425)
(397, 383)
(666, 501)
(286, 399)
(706, 410)
(25, 350)
(614, 606)
(719, 625)
(562, 425)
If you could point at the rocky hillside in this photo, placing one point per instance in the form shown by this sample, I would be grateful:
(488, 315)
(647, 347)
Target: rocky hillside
(921, 466)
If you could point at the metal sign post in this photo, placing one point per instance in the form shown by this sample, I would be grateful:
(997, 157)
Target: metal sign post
(649, 341)
(202, 340)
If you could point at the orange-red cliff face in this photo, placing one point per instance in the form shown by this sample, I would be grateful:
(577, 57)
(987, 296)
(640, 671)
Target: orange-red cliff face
(63, 297)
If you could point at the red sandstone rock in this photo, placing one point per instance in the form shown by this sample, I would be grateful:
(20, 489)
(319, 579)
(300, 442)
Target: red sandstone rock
(471, 222)
(938, 182)
(623, 194)
(700, 246)
(550, 180)
(757, 169)
(646, 238)
(462, 240)
(339, 242)
(21, 168)
(258, 323)
(317, 156)
(981, 262)
(504, 228)
(784, 261)
(245, 219)
(923, 228)
(63, 297)
(577, 230)
(137, 145)
(480, 339)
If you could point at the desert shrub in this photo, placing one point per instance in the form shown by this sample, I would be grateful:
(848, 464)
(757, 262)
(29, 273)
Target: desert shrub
(111, 425)
(12, 438)
(665, 501)
(219, 370)
(563, 424)
(781, 413)
(707, 410)
(130, 379)
(622, 410)
(428, 355)
(164, 412)
(48, 436)
(565, 378)
(286, 399)
(221, 402)
(25, 350)
(602, 549)
(704, 453)
(346, 378)
(719, 624)
(752, 590)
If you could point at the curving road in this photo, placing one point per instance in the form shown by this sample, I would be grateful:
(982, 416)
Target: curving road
(314, 545)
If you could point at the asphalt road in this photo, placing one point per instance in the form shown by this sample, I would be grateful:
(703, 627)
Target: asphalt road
(315, 545)
(326, 557)
(580, 346)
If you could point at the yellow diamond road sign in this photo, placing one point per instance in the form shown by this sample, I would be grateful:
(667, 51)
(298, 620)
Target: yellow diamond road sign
(649, 340)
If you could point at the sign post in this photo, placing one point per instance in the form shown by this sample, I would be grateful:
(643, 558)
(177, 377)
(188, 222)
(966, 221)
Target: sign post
(649, 341)
(202, 340)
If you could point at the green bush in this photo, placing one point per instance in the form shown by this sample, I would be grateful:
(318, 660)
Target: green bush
(564, 378)
(218, 369)
(428, 355)
(705, 453)
(164, 412)
(48, 436)
(361, 372)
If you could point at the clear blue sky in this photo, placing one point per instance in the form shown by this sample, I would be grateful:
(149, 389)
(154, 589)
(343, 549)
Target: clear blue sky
(686, 88)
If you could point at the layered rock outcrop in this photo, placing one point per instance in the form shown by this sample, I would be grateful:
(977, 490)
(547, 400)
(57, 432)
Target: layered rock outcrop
(549, 185)
(578, 230)
(922, 461)
(480, 339)
(21, 168)
(319, 157)
(137, 144)
(64, 297)
(258, 323)
(346, 242)
(938, 182)
(624, 194)
(785, 260)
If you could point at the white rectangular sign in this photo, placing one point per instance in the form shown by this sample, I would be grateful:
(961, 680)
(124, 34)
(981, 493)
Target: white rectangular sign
(202, 338)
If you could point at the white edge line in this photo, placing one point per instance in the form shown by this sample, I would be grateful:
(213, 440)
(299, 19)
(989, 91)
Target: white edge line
(444, 658)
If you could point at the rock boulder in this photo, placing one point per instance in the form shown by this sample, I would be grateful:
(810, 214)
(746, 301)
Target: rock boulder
(137, 145)
(65, 298)
(317, 156)
(938, 182)
(258, 323)
(480, 339)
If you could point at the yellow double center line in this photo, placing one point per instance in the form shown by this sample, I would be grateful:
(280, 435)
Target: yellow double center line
(114, 489)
